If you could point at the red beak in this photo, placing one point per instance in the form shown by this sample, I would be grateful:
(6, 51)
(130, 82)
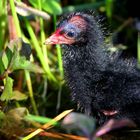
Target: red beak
(53, 39)
(58, 38)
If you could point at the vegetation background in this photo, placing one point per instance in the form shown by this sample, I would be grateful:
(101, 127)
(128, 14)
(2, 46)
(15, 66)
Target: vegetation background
(32, 86)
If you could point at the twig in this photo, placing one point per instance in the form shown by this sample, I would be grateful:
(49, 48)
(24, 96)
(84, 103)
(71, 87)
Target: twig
(29, 10)
(126, 23)
(62, 136)
(47, 125)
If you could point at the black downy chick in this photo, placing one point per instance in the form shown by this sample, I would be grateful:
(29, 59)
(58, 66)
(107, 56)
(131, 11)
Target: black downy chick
(103, 85)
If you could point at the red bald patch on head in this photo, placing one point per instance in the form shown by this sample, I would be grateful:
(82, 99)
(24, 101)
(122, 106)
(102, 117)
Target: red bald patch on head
(78, 21)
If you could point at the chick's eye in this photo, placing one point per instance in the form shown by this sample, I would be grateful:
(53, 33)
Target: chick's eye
(70, 34)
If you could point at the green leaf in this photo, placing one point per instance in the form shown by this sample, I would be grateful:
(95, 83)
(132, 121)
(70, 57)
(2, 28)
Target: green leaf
(20, 62)
(2, 69)
(5, 60)
(6, 57)
(50, 6)
(20, 57)
(16, 56)
(18, 96)
(40, 119)
(18, 45)
(7, 92)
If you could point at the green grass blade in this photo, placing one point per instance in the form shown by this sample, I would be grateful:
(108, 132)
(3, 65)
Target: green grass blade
(39, 51)
(39, 119)
(17, 25)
